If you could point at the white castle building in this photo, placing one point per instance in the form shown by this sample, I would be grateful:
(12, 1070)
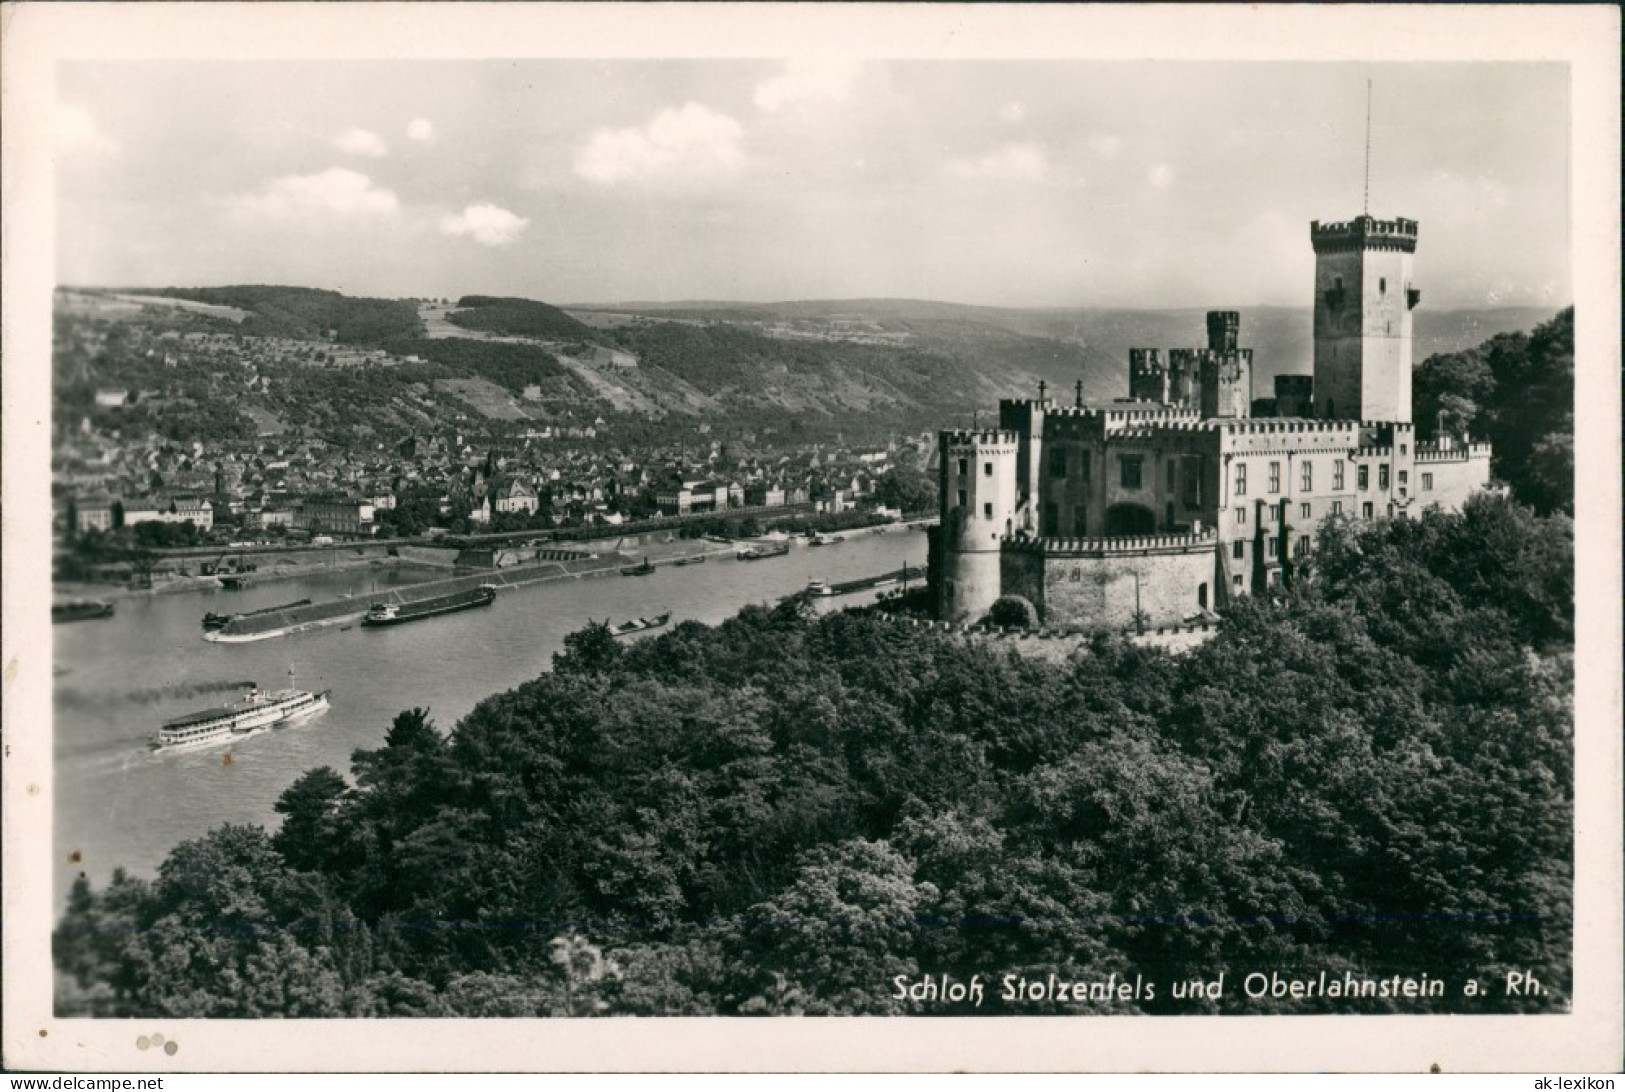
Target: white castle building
(1163, 506)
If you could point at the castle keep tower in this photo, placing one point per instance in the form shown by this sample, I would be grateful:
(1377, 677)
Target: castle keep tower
(1363, 302)
(979, 482)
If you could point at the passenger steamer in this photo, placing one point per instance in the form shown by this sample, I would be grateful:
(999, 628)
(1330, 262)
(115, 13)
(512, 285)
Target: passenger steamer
(255, 711)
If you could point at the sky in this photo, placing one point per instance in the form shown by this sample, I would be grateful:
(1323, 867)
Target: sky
(1010, 183)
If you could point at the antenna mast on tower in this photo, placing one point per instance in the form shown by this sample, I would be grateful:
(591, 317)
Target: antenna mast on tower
(1366, 201)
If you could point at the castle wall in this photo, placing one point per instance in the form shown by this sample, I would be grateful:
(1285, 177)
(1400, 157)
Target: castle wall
(1448, 477)
(1099, 584)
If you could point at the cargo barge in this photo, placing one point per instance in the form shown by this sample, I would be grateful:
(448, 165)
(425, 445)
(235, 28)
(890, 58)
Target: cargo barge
(390, 614)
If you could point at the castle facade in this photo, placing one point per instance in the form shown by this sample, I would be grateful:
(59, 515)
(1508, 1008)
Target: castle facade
(1162, 507)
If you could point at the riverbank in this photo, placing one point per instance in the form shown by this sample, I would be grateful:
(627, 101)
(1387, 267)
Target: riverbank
(349, 609)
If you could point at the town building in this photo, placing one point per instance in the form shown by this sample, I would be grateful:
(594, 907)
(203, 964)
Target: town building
(1163, 507)
(336, 514)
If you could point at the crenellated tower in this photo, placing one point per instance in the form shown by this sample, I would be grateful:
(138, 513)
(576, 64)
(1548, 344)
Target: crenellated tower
(979, 485)
(1363, 303)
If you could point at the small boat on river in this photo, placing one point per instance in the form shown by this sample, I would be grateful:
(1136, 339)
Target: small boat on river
(691, 559)
(763, 550)
(638, 570)
(80, 610)
(638, 625)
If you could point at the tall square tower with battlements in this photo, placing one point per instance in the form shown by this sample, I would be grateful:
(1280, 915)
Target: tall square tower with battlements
(1363, 302)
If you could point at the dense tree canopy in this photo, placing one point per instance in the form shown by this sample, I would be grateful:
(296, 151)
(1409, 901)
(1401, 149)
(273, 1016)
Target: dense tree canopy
(781, 814)
(1517, 390)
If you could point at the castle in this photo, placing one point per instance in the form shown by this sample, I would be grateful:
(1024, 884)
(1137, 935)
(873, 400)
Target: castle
(1162, 507)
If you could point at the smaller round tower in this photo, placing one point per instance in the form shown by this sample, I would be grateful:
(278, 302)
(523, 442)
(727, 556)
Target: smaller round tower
(979, 507)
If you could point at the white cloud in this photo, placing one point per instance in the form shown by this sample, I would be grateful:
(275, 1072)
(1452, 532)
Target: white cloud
(77, 131)
(335, 191)
(1106, 145)
(1013, 162)
(361, 142)
(486, 224)
(808, 81)
(1161, 176)
(1012, 112)
(691, 143)
(420, 129)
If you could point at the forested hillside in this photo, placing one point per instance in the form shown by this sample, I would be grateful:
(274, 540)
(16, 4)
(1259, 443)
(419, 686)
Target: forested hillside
(1371, 776)
(742, 367)
(508, 364)
(510, 315)
(278, 311)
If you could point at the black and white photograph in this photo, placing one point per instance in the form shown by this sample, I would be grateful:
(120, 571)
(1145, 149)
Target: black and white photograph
(604, 525)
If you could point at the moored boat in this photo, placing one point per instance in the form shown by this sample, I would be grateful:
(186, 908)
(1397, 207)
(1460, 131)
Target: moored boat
(763, 550)
(213, 620)
(692, 559)
(638, 625)
(392, 614)
(825, 540)
(80, 610)
(638, 570)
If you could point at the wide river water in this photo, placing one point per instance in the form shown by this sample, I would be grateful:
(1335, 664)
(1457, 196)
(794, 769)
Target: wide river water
(119, 803)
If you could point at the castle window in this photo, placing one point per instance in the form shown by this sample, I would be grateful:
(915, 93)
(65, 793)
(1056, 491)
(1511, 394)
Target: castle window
(1427, 483)
(1193, 482)
(987, 511)
(1404, 449)
(987, 470)
(1308, 476)
(1057, 463)
(1241, 479)
(1382, 285)
(1130, 466)
(1238, 549)
(1236, 580)
(1337, 475)
(1241, 516)
(1337, 508)
(1269, 546)
(964, 467)
(1382, 476)
(1305, 511)
(1404, 477)
(1303, 545)
(962, 498)
(1364, 477)
(1275, 477)
(1365, 510)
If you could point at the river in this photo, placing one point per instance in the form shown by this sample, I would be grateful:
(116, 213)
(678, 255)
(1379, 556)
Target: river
(120, 804)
